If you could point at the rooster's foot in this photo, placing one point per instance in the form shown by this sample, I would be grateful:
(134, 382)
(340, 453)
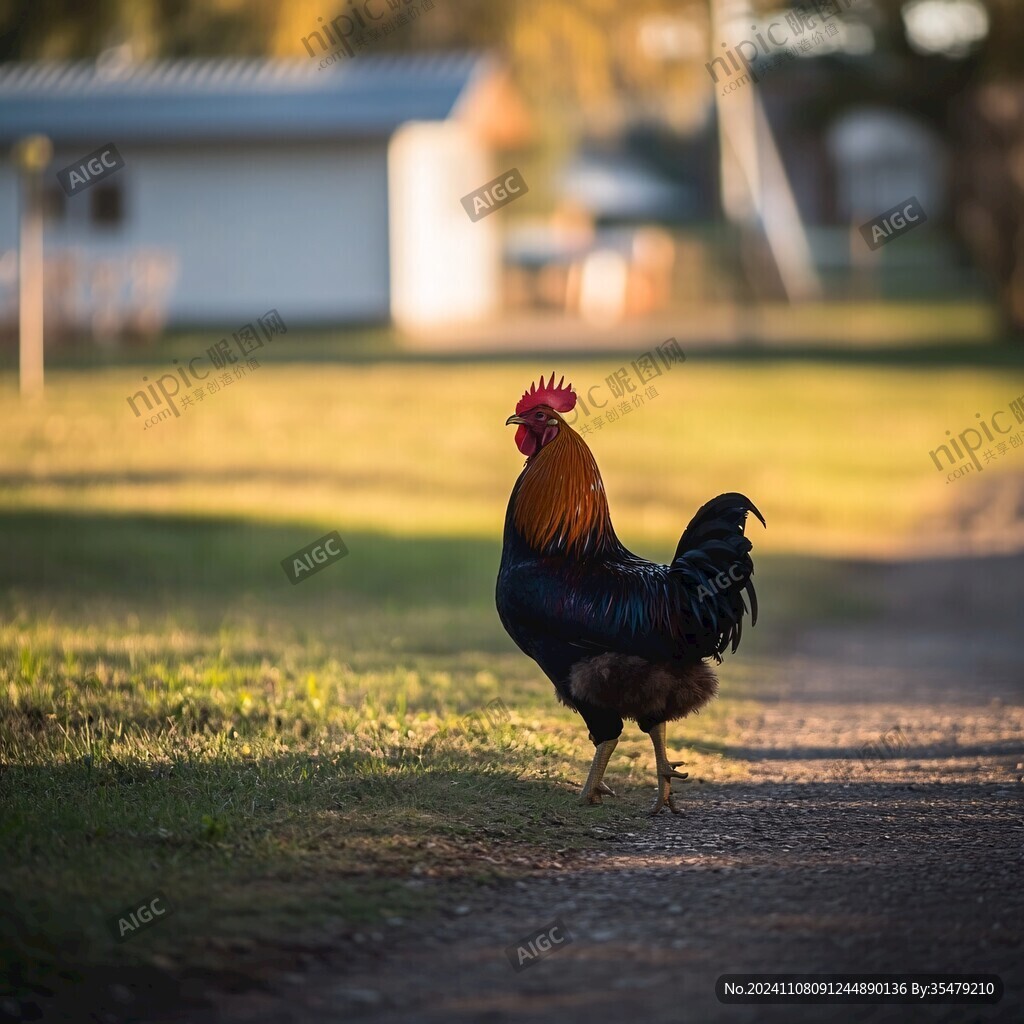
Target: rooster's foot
(594, 796)
(595, 787)
(665, 797)
(666, 772)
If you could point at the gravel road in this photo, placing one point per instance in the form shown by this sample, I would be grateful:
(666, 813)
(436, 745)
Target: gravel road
(877, 828)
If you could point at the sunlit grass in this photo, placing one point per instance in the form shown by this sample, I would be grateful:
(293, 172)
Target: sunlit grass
(420, 450)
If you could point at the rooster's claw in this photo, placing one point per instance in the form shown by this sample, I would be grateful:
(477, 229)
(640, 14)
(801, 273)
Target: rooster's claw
(665, 800)
(595, 794)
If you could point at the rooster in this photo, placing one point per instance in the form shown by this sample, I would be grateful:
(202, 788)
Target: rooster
(618, 636)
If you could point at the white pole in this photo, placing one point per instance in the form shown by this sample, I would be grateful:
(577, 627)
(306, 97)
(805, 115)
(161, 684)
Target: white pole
(31, 155)
(754, 180)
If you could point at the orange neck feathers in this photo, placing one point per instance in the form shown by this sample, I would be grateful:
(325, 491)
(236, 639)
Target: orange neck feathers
(561, 506)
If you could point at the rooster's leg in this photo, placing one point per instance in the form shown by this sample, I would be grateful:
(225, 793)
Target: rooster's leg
(666, 772)
(594, 786)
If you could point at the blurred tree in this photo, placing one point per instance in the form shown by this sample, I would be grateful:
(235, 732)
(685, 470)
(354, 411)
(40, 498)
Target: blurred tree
(590, 52)
(146, 29)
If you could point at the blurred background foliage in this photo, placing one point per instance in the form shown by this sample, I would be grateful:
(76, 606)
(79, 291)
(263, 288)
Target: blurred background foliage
(587, 52)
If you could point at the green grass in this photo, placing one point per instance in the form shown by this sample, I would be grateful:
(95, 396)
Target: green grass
(175, 716)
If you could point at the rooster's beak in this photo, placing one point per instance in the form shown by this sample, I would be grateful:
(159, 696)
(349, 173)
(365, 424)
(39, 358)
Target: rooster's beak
(515, 419)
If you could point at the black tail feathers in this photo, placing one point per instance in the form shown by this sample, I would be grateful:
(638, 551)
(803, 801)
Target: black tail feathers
(713, 564)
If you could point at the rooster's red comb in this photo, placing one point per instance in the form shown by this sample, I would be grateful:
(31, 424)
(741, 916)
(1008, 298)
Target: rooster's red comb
(561, 399)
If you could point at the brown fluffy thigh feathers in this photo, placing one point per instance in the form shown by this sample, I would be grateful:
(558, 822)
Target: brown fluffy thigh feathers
(636, 688)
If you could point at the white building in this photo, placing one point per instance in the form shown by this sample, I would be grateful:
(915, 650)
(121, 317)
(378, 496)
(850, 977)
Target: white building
(330, 194)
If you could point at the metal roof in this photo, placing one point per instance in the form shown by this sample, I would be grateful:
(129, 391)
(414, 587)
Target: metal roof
(224, 100)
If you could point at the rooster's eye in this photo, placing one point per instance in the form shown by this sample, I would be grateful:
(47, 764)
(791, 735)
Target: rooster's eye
(538, 416)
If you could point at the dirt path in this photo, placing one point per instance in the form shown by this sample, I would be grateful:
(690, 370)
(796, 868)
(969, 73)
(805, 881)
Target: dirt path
(817, 862)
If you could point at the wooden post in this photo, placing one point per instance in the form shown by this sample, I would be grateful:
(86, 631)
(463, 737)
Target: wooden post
(31, 155)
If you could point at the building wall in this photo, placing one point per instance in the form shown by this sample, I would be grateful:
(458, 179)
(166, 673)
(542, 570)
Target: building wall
(446, 269)
(303, 228)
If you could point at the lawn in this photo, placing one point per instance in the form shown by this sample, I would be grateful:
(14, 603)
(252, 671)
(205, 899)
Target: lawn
(175, 716)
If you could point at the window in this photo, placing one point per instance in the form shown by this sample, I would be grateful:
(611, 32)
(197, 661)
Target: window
(107, 205)
(54, 204)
